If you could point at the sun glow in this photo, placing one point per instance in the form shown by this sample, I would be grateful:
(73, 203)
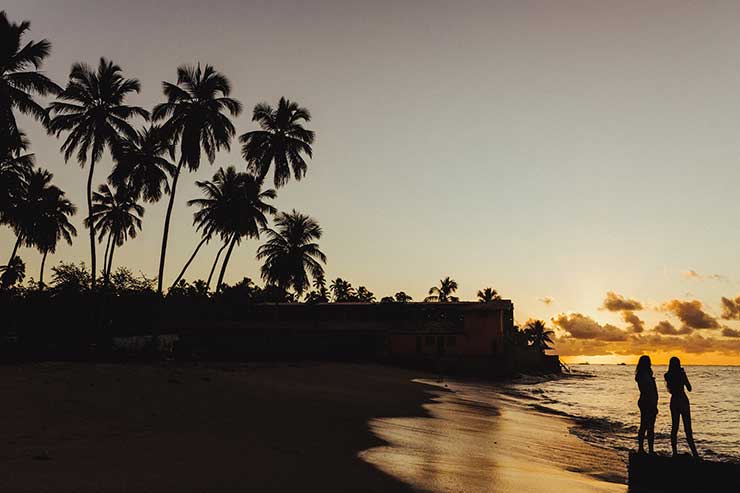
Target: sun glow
(657, 357)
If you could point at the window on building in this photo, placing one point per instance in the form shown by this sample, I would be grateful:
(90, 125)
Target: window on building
(429, 341)
(451, 341)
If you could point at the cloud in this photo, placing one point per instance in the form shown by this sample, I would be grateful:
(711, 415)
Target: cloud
(547, 300)
(580, 326)
(718, 277)
(616, 303)
(646, 343)
(691, 314)
(728, 332)
(731, 308)
(636, 324)
(568, 346)
(693, 275)
(666, 328)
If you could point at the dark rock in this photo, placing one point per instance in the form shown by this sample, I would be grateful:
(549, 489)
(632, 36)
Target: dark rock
(683, 473)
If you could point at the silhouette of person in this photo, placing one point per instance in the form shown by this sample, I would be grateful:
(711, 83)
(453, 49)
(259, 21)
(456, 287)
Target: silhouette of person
(676, 380)
(648, 402)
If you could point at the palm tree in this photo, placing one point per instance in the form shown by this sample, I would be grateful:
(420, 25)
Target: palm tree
(12, 273)
(23, 211)
(291, 252)
(15, 167)
(117, 215)
(341, 290)
(320, 294)
(488, 295)
(52, 220)
(234, 207)
(443, 292)
(91, 108)
(20, 80)
(39, 216)
(538, 335)
(141, 164)
(195, 114)
(319, 284)
(402, 297)
(364, 295)
(282, 140)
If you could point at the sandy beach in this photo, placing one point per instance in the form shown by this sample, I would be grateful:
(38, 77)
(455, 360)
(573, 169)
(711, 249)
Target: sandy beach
(306, 427)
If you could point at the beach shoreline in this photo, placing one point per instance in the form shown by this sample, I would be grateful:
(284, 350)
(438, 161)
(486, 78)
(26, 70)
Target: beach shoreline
(267, 427)
(496, 442)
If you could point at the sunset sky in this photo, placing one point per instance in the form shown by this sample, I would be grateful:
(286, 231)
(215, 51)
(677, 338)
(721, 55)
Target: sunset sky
(556, 151)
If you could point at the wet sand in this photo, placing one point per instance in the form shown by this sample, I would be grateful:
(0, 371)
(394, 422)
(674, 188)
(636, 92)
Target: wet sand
(477, 441)
(289, 428)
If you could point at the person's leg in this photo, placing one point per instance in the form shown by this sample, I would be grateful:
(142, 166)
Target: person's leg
(641, 432)
(686, 414)
(651, 433)
(674, 427)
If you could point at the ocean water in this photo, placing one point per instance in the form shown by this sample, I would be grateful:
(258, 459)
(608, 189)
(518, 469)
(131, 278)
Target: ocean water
(603, 401)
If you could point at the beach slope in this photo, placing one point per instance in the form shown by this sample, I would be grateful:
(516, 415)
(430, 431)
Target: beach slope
(82, 428)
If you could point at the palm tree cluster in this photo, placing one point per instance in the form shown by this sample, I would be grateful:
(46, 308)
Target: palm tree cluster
(39, 217)
(150, 149)
(115, 215)
(234, 208)
(343, 292)
(94, 115)
(399, 297)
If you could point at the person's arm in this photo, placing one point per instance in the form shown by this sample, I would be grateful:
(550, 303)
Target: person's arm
(686, 380)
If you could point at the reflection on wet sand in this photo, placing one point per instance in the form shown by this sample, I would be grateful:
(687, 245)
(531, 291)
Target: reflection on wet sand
(477, 440)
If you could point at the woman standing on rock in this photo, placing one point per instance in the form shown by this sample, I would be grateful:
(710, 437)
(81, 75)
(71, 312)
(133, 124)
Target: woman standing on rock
(648, 402)
(676, 380)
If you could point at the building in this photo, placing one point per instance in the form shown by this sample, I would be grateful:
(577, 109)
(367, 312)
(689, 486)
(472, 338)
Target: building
(463, 337)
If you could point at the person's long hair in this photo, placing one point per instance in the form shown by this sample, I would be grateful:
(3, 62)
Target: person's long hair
(643, 367)
(673, 377)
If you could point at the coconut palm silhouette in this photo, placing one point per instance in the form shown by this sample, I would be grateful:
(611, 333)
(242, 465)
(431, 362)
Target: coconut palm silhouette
(21, 80)
(91, 109)
(291, 253)
(234, 206)
(443, 292)
(117, 216)
(195, 119)
(281, 141)
(488, 295)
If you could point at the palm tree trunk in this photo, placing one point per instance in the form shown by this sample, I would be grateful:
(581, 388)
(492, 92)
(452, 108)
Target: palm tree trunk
(89, 215)
(15, 249)
(226, 262)
(215, 262)
(107, 249)
(160, 280)
(190, 260)
(110, 259)
(41, 274)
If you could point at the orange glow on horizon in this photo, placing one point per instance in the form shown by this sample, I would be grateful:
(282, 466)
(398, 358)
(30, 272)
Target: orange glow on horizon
(658, 358)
